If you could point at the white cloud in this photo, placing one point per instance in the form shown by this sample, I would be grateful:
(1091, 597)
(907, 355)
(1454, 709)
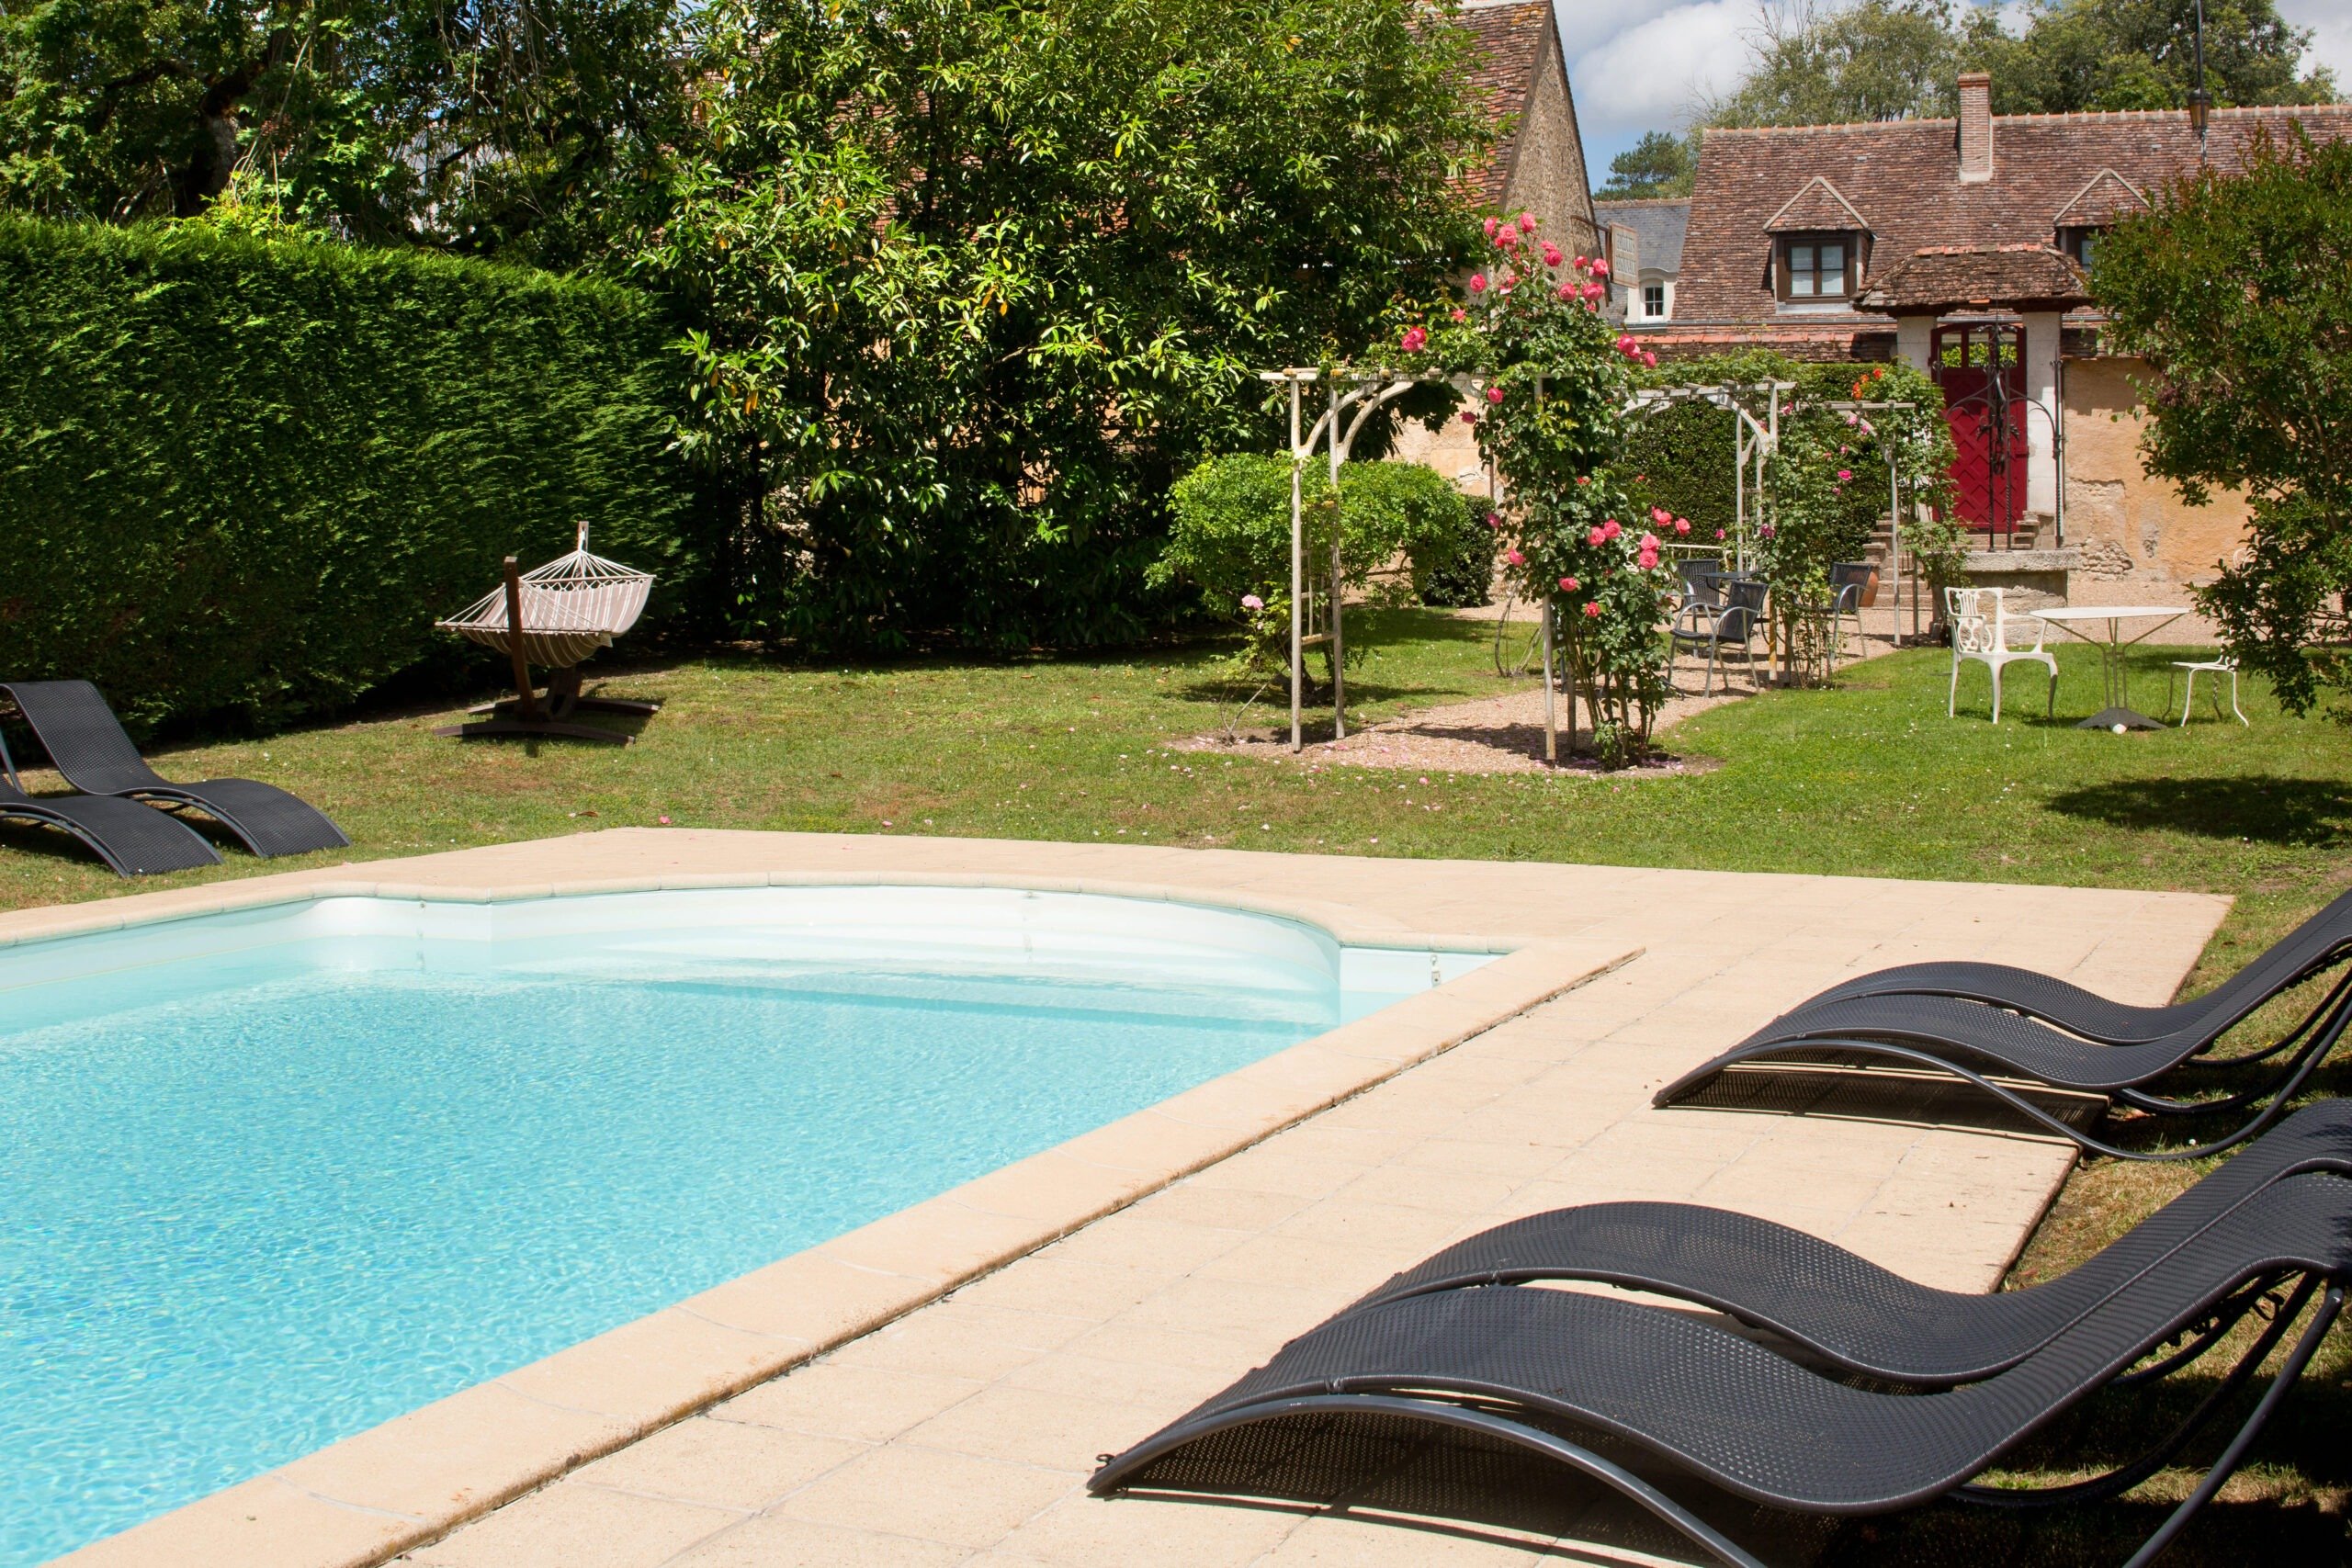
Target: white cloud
(2331, 24)
(1651, 75)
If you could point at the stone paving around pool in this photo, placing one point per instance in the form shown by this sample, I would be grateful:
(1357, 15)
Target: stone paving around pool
(981, 1364)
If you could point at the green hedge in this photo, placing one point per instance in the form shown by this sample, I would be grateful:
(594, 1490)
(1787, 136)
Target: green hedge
(240, 478)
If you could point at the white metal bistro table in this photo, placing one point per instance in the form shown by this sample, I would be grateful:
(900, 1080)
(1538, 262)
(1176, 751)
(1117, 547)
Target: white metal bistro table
(2114, 650)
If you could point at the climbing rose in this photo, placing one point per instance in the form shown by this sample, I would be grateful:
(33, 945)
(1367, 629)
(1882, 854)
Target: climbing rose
(1494, 519)
(1506, 239)
(1609, 529)
(1649, 359)
(1492, 224)
(1593, 291)
(1494, 394)
(1460, 314)
(1845, 474)
(1251, 602)
(1597, 538)
(1581, 264)
(1719, 533)
(1660, 515)
(1567, 291)
(1551, 254)
(1627, 346)
(1682, 524)
(1768, 530)
(1469, 417)
(1600, 267)
(1527, 222)
(1584, 478)
(1477, 283)
(1570, 585)
(1592, 610)
(1413, 340)
(1514, 558)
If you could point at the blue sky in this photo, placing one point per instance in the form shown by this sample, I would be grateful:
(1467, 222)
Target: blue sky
(1647, 64)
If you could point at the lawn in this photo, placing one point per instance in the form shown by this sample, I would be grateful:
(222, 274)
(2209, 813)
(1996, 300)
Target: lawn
(1866, 778)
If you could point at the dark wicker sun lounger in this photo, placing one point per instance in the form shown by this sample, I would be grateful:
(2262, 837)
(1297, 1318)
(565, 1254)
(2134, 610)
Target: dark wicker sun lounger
(1983, 1045)
(132, 839)
(86, 744)
(1831, 1306)
(1562, 1375)
(2318, 944)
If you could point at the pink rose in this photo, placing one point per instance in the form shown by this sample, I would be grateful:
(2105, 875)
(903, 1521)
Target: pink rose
(1477, 283)
(1581, 264)
(1845, 474)
(1591, 611)
(1719, 533)
(1647, 541)
(1494, 519)
(1609, 529)
(1551, 254)
(1468, 417)
(1514, 558)
(1506, 239)
(1251, 602)
(1567, 291)
(1570, 585)
(1625, 344)
(1460, 314)
(1648, 561)
(1866, 428)
(1527, 222)
(1682, 524)
(1593, 291)
(1649, 360)
(1600, 267)
(1493, 224)
(1494, 394)
(1414, 339)
(1660, 515)
(1597, 538)
(1584, 478)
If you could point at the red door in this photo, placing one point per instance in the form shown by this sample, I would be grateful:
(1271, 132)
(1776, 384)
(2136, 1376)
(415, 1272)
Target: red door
(1979, 367)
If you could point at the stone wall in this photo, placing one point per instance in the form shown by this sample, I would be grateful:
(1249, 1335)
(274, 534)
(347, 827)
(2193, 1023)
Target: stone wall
(1547, 176)
(2131, 527)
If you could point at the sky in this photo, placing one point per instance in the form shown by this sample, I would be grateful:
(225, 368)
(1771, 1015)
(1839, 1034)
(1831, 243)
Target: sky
(1640, 65)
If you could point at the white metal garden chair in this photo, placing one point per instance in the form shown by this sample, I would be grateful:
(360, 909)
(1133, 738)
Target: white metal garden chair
(1980, 631)
(2217, 668)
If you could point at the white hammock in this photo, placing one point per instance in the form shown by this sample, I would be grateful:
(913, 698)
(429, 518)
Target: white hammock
(570, 607)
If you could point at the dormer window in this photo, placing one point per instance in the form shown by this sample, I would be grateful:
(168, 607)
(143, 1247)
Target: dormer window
(2080, 241)
(1818, 268)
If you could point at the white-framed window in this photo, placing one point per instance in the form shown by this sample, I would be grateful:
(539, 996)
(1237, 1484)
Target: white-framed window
(1653, 302)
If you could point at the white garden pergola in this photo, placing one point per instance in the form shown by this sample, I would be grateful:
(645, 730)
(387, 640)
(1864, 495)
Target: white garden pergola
(1355, 395)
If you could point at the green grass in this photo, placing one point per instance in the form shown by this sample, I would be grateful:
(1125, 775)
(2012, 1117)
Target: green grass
(1866, 778)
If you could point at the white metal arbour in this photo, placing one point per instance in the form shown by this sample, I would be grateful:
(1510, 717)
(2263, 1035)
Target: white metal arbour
(1365, 391)
(1753, 442)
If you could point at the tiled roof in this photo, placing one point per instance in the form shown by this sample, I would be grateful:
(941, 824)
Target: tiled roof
(2107, 197)
(1510, 39)
(1818, 205)
(1958, 277)
(1658, 223)
(1903, 176)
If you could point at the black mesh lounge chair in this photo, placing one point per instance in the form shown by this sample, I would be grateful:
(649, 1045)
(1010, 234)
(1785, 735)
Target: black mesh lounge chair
(1562, 1374)
(1983, 1046)
(86, 744)
(133, 839)
(1829, 1305)
(2316, 945)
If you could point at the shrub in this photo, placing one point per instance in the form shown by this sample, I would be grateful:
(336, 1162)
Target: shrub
(241, 474)
(1465, 580)
(1232, 539)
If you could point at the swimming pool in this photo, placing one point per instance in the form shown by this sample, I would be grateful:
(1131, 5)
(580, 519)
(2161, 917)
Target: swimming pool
(277, 1176)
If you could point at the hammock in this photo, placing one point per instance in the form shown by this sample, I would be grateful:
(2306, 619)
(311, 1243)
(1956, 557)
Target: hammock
(570, 608)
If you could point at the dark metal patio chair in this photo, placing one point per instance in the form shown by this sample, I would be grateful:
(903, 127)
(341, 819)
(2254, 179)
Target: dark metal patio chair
(131, 837)
(1566, 1376)
(85, 743)
(1848, 582)
(1731, 624)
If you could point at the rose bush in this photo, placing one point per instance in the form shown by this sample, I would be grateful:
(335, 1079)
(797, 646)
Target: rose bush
(1550, 377)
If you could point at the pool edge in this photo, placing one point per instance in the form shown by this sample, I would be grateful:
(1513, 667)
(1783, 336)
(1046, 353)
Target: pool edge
(415, 1478)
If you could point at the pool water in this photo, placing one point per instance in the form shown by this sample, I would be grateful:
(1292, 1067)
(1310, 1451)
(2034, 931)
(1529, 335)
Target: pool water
(273, 1178)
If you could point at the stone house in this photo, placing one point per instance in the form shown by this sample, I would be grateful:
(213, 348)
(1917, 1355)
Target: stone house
(1644, 251)
(1538, 166)
(1958, 246)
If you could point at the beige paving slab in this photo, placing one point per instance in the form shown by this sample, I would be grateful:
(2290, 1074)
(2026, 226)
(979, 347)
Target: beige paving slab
(1191, 1245)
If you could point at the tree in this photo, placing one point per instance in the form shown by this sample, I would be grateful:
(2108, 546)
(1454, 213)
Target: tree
(2237, 291)
(490, 126)
(1660, 165)
(1873, 60)
(2140, 54)
(974, 281)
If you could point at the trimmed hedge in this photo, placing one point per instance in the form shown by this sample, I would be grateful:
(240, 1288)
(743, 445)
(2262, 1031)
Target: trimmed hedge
(240, 478)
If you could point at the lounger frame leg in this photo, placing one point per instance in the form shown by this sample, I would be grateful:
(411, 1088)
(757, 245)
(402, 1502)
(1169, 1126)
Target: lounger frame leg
(1110, 1478)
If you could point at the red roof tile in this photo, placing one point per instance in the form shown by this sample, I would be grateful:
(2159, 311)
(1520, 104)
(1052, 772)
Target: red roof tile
(1818, 205)
(1904, 178)
(1958, 277)
(1509, 44)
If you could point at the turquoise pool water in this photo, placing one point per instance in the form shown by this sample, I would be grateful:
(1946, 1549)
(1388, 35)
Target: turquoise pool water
(272, 1177)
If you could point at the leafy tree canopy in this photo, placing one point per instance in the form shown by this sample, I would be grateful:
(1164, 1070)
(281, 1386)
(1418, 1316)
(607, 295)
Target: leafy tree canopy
(977, 281)
(490, 125)
(1897, 59)
(2237, 291)
(1660, 165)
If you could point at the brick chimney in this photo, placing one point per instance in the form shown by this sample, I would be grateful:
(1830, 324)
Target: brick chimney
(1976, 126)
